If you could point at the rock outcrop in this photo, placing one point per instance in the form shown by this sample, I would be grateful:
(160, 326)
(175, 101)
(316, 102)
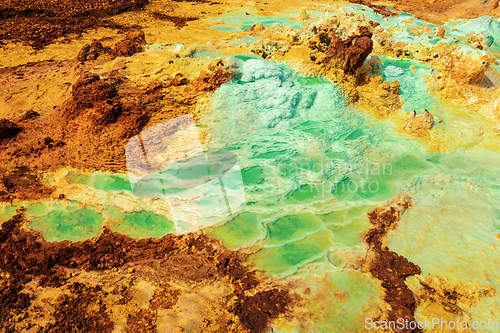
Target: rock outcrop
(133, 43)
(92, 51)
(335, 48)
(348, 54)
(22, 183)
(8, 129)
(381, 98)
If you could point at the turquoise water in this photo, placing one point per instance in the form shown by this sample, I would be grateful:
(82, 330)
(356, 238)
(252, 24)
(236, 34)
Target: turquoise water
(246, 18)
(71, 221)
(312, 168)
(413, 88)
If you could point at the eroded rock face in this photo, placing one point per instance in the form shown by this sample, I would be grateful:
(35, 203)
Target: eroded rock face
(133, 43)
(97, 285)
(8, 129)
(28, 115)
(350, 54)
(458, 68)
(92, 51)
(217, 74)
(453, 298)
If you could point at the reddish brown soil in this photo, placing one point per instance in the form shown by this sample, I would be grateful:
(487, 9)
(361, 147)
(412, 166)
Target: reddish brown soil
(40, 22)
(438, 11)
(80, 312)
(389, 267)
(25, 256)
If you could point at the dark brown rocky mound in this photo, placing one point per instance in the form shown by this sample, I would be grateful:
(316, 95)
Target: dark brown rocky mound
(348, 54)
(8, 129)
(178, 21)
(100, 117)
(133, 43)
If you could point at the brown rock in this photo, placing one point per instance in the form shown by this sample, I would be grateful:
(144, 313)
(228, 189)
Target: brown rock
(348, 54)
(22, 183)
(178, 21)
(39, 23)
(92, 51)
(394, 87)
(196, 259)
(440, 32)
(8, 129)
(218, 73)
(28, 115)
(381, 9)
(133, 43)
